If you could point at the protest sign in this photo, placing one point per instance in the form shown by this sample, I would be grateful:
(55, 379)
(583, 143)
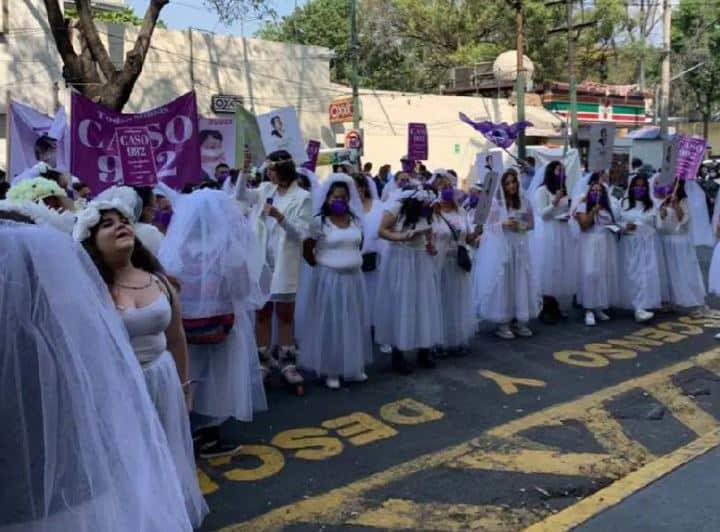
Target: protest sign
(174, 148)
(247, 139)
(690, 155)
(217, 144)
(312, 150)
(36, 137)
(280, 130)
(600, 154)
(669, 160)
(418, 144)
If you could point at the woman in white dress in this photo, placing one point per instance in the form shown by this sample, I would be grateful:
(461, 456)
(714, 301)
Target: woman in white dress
(334, 339)
(505, 283)
(452, 230)
(682, 270)
(83, 448)
(213, 252)
(281, 216)
(150, 309)
(407, 309)
(557, 244)
(640, 252)
(372, 212)
(598, 267)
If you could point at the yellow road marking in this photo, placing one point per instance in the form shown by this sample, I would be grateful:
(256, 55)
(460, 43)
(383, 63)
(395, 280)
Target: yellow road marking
(683, 408)
(508, 384)
(593, 465)
(397, 514)
(336, 506)
(623, 488)
(610, 434)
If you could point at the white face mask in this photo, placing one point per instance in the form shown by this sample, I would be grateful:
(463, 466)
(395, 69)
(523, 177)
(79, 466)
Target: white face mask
(212, 153)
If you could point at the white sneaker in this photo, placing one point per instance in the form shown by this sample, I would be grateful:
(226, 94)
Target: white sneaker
(333, 383)
(717, 336)
(641, 316)
(522, 330)
(386, 349)
(589, 318)
(599, 314)
(504, 332)
(361, 377)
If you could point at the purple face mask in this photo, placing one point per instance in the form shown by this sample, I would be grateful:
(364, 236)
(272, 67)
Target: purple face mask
(639, 192)
(447, 194)
(662, 191)
(593, 197)
(339, 207)
(473, 201)
(162, 217)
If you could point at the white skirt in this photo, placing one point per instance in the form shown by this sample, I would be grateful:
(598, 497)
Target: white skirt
(558, 271)
(682, 271)
(166, 393)
(599, 269)
(641, 269)
(456, 303)
(407, 307)
(516, 293)
(230, 382)
(335, 340)
(714, 273)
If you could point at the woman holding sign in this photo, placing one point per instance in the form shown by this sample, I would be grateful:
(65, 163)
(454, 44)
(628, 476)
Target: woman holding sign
(682, 269)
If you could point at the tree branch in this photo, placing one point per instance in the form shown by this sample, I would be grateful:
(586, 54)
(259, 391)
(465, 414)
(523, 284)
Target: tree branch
(92, 39)
(134, 59)
(60, 28)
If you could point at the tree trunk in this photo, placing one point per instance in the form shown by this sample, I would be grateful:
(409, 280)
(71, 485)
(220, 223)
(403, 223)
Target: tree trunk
(706, 125)
(91, 71)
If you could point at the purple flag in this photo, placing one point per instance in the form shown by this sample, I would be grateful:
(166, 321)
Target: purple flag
(313, 150)
(690, 155)
(110, 148)
(417, 142)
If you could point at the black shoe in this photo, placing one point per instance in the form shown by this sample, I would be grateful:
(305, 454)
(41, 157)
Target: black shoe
(425, 359)
(205, 437)
(219, 450)
(399, 364)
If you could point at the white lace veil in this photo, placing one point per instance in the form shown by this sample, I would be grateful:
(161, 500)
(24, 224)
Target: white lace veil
(212, 250)
(82, 448)
(701, 231)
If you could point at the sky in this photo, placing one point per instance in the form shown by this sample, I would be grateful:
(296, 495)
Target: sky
(181, 14)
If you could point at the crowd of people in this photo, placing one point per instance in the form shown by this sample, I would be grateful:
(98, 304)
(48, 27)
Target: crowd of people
(126, 311)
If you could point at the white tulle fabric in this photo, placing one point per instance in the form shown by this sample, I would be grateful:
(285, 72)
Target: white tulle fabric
(455, 283)
(211, 249)
(640, 254)
(599, 263)
(83, 448)
(701, 231)
(505, 277)
(714, 272)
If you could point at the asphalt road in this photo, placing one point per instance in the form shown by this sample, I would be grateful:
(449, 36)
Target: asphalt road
(515, 434)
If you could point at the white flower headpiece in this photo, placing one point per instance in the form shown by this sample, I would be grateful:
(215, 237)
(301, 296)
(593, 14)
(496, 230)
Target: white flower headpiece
(90, 216)
(35, 189)
(41, 214)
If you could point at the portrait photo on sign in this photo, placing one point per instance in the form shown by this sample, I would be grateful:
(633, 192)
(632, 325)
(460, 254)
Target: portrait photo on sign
(280, 130)
(600, 153)
(217, 145)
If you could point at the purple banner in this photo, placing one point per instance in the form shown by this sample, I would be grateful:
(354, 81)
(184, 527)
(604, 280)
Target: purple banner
(690, 155)
(99, 157)
(313, 150)
(417, 142)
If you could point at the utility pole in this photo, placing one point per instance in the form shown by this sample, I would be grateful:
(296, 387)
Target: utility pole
(520, 78)
(665, 71)
(354, 54)
(571, 31)
(573, 80)
(641, 81)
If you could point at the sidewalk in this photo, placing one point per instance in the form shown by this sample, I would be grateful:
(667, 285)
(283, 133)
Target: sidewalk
(688, 499)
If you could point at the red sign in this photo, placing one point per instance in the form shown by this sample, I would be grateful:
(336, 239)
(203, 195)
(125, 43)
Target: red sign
(341, 110)
(353, 140)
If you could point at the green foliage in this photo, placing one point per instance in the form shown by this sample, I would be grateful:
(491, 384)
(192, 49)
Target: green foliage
(696, 39)
(412, 44)
(122, 16)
